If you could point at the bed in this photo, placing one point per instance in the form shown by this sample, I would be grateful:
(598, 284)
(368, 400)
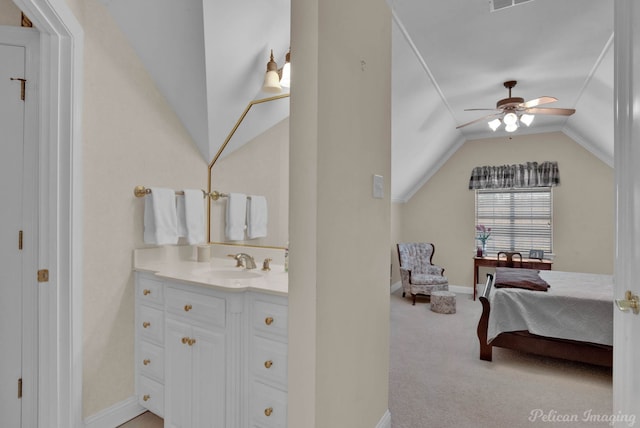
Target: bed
(572, 319)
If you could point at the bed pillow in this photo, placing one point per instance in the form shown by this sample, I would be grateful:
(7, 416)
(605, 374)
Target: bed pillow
(520, 278)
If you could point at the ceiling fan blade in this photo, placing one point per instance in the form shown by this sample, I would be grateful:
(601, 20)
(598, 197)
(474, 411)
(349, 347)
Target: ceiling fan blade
(478, 120)
(481, 109)
(556, 111)
(539, 101)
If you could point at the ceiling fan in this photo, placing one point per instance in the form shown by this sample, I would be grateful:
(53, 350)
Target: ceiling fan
(514, 110)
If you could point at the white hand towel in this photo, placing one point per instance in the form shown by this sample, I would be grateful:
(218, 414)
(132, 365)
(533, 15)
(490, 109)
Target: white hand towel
(257, 216)
(236, 216)
(160, 217)
(191, 222)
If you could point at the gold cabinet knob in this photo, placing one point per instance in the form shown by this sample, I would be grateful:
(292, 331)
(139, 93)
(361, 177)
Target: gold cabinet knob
(268, 364)
(268, 320)
(188, 341)
(187, 308)
(268, 411)
(146, 397)
(146, 292)
(146, 324)
(146, 362)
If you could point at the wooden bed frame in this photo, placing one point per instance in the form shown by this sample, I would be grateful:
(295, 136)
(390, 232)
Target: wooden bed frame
(572, 350)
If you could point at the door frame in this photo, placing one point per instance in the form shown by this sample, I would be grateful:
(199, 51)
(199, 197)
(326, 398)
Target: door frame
(59, 200)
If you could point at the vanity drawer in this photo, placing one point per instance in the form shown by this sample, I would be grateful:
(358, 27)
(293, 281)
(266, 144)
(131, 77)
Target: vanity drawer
(190, 306)
(268, 361)
(151, 395)
(151, 324)
(149, 291)
(270, 317)
(151, 360)
(267, 407)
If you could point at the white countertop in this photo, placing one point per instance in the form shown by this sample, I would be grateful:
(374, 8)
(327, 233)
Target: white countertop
(179, 263)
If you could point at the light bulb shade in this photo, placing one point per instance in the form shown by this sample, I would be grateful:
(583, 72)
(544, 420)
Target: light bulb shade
(510, 127)
(285, 73)
(494, 124)
(271, 82)
(271, 78)
(510, 119)
(285, 81)
(527, 119)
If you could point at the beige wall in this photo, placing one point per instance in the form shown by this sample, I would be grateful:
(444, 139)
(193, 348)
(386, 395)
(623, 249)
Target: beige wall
(260, 167)
(9, 14)
(442, 211)
(130, 137)
(339, 271)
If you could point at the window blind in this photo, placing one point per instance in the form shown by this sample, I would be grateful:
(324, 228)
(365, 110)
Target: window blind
(520, 219)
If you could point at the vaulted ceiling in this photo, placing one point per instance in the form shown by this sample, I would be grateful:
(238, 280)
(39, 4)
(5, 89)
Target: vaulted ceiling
(209, 58)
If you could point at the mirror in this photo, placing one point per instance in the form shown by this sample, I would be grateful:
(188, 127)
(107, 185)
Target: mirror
(254, 160)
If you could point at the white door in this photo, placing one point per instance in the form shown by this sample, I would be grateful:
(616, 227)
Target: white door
(12, 60)
(626, 345)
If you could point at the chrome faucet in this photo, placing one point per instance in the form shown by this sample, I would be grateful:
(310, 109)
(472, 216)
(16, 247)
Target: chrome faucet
(244, 260)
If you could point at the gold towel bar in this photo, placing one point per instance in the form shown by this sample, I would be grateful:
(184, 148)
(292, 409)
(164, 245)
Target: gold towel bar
(141, 191)
(215, 195)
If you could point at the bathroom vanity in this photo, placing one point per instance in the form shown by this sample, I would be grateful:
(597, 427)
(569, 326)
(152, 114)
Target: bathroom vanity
(210, 342)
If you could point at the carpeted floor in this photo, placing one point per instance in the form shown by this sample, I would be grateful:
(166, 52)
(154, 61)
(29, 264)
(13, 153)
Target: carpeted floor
(437, 379)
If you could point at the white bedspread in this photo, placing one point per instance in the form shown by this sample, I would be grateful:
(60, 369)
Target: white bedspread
(578, 306)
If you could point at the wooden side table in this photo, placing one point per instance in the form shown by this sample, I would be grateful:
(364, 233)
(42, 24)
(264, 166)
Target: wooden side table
(493, 262)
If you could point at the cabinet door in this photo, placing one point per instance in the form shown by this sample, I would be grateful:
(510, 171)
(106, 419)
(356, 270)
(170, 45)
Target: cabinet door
(178, 375)
(208, 382)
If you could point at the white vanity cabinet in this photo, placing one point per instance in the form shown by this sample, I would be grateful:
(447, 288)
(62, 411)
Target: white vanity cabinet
(149, 343)
(195, 382)
(267, 316)
(210, 358)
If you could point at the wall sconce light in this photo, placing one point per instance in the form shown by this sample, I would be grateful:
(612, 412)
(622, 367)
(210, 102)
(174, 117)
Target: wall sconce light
(271, 78)
(277, 78)
(285, 79)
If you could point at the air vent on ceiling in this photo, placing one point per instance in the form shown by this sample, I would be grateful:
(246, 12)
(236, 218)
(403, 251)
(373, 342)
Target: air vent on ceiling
(501, 4)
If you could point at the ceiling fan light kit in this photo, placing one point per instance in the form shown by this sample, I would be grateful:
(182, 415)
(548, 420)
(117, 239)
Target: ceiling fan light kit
(512, 111)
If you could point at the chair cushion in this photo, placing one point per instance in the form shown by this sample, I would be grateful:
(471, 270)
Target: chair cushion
(426, 279)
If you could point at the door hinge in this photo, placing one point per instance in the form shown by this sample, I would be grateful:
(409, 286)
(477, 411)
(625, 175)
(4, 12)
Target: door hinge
(20, 240)
(20, 388)
(22, 86)
(43, 275)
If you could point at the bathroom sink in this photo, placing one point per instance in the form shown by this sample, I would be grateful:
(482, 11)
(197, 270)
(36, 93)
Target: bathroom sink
(230, 273)
(235, 273)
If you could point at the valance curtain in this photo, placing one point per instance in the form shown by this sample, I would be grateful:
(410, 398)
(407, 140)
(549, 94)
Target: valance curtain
(530, 174)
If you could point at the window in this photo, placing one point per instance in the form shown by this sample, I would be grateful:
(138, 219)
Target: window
(520, 219)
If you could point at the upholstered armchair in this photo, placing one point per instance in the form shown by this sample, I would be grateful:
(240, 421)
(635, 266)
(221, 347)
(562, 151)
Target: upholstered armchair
(418, 274)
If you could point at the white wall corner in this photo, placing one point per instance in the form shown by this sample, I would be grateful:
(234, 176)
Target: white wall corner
(396, 286)
(115, 415)
(385, 421)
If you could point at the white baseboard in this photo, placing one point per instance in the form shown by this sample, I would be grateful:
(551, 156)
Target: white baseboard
(115, 415)
(460, 289)
(385, 422)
